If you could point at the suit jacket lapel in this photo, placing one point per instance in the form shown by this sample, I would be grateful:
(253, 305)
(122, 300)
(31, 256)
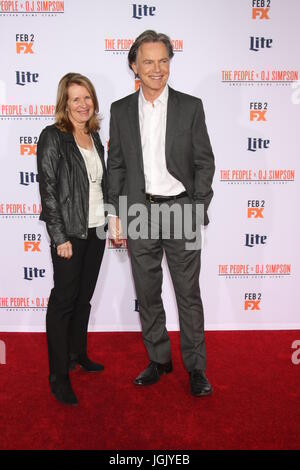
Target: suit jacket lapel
(172, 121)
(133, 113)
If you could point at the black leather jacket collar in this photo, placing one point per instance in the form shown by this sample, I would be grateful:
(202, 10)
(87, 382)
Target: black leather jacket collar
(64, 185)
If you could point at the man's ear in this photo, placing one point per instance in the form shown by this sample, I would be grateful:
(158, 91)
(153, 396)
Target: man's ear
(134, 68)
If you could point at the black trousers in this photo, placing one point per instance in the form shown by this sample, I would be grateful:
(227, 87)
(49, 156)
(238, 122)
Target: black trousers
(184, 266)
(69, 303)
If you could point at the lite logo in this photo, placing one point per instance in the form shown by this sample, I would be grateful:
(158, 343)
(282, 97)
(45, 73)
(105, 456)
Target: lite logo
(260, 9)
(255, 209)
(257, 43)
(255, 143)
(258, 111)
(33, 273)
(32, 242)
(255, 239)
(24, 43)
(27, 178)
(296, 354)
(2, 352)
(138, 11)
(28, 146)
(252, 301)
(22, 78)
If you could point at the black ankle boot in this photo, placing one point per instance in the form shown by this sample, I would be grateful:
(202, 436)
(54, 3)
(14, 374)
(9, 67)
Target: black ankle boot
(52, 381)
(85, 363)
(61, 388)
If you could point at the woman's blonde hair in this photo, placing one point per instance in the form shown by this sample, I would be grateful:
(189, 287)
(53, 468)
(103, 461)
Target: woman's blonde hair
(61, 115)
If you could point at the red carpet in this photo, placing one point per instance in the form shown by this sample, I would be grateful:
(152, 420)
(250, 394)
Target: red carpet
(255, 405)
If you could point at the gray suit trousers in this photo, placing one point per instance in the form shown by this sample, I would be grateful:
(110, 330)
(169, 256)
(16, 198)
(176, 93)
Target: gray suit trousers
(184, 266)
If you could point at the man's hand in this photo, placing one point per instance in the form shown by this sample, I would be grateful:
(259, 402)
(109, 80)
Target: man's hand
(65, 250)
(115, 229)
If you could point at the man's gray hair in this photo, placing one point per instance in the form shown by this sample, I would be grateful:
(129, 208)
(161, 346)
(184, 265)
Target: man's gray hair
(149, 36)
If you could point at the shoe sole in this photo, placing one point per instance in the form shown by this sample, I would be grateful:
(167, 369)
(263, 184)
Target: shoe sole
(60, 401)
(90, 371)
(152, 383)
(203, 394)
(63, 402)
(73, 368)
(66, 404)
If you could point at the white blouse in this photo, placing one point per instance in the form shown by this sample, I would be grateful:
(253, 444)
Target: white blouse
(95, 173)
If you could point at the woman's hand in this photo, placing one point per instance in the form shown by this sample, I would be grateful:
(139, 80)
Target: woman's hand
(115, 229)
(65, 250)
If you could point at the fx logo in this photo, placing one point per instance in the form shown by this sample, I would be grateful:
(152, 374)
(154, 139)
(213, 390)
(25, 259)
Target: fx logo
(257, 115)
(260, 13)
(32, 246)
(252, 304)
(24, 47)
(252, 301)
(255, 212)
(27, 149)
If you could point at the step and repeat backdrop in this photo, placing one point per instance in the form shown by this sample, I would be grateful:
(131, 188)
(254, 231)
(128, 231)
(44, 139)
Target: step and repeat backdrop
(242, 58)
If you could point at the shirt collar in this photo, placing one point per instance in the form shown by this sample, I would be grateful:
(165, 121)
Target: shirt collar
(163, 97)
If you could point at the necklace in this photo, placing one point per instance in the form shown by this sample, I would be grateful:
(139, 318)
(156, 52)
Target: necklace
(91, 166)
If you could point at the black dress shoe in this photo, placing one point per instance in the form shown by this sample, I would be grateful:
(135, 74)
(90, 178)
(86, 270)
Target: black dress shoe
(85, 363)
(200, 386)
(152, 374)
(61, 388)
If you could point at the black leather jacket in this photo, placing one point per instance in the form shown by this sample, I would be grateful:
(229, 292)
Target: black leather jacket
(64, 184)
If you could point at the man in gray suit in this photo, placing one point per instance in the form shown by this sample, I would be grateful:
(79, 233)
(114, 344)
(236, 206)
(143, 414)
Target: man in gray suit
(160, 154)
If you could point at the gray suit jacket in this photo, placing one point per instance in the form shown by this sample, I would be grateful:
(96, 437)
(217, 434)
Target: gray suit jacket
(189, 154)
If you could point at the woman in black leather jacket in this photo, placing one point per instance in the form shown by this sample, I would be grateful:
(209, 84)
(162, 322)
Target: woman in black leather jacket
(72, 183)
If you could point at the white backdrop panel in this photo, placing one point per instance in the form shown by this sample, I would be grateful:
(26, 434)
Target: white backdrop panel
(243, 287)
